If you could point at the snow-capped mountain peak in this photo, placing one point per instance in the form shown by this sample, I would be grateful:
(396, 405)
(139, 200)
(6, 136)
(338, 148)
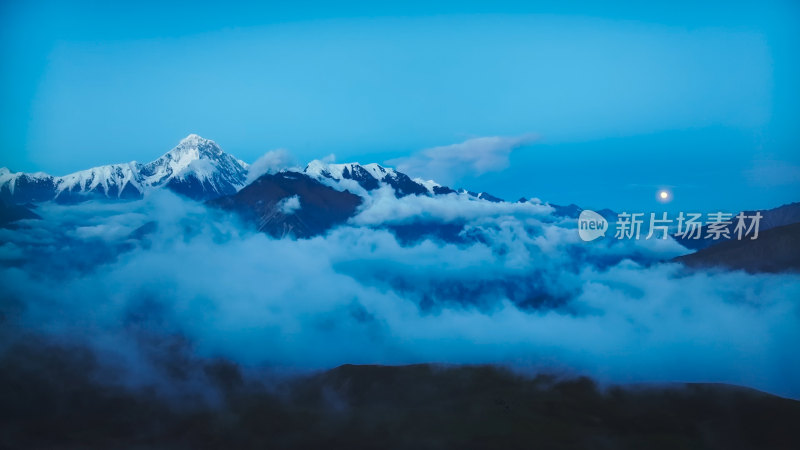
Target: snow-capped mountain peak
(198, 168)
(195, 157)
(196, 147)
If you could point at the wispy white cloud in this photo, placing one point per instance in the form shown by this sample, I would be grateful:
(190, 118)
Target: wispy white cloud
(269, 162)
(472, 157)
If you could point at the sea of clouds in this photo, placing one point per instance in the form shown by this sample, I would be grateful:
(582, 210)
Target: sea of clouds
(521, 289)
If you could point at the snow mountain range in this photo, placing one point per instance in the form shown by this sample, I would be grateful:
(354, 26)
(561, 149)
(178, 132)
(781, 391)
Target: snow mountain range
(196, 168)
(301, 202)
(199, 169)
(306, 202)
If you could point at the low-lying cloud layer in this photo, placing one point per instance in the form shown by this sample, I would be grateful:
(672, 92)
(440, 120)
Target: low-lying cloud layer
(523, 291)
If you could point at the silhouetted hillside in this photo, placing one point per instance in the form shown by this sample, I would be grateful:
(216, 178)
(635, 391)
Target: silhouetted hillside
(775, 250)
(51, 399)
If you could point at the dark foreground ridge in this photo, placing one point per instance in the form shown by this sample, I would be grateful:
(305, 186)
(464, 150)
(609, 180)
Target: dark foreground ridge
(775, 250)
(51, 400)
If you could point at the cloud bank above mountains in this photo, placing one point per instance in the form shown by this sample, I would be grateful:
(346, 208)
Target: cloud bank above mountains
(523, 291)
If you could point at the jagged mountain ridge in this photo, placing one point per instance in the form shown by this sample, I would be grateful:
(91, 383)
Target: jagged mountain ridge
(368, 176)
(323, 194)
(199, 169)
(196, 168)
(371, 176)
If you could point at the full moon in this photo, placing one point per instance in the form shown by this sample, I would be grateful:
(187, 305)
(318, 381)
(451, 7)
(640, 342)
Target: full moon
(664, 196)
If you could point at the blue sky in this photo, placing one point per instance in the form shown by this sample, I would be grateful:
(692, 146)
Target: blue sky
(624, 99)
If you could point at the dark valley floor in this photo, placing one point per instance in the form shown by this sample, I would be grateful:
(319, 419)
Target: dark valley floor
(52, 401)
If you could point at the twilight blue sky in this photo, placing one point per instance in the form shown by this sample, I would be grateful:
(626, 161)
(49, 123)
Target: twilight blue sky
(624, 98)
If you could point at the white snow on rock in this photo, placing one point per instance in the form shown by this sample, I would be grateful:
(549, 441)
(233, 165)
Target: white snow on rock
(103, 177)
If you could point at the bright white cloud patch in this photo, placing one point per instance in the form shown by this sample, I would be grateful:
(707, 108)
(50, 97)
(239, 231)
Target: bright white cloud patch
(289, 205)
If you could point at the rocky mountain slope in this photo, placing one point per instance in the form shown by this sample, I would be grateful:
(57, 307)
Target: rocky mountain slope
(290, 204)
